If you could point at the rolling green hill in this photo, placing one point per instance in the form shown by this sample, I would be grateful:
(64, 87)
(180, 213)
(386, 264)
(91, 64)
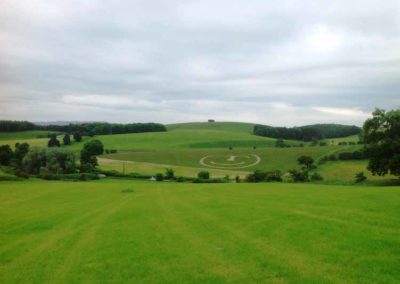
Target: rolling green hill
(184, 145)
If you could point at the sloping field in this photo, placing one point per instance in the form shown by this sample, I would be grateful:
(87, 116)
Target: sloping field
(271, 158)
(141, 232)
(185, 145)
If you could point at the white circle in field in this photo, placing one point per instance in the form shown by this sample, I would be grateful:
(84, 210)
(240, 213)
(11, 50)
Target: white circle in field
(231, 162)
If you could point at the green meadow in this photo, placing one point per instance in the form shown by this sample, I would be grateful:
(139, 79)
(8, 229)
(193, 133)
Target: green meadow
(114, 231)
(184, 145)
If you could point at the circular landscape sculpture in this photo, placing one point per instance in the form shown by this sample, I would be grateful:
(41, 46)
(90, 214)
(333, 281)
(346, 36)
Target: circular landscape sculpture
(230, 161)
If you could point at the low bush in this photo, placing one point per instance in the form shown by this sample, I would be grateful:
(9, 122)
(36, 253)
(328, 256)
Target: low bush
(360, 177)
(299, 176)
(210, 180)
(203, 175)
(316, 177)
(260, 176)
(159, 177)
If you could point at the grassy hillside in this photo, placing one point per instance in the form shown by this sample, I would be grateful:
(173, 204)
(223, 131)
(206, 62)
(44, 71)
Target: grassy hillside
(119, 231)
(220, 126)
(183, 138)
(271, 158)
(184, 145)
(30, 137)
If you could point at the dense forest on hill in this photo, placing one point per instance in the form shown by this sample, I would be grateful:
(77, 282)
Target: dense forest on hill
(308, 132)
(94, 128)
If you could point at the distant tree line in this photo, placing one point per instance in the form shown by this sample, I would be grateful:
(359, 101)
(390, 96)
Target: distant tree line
(10, 125)
(307, 133)
(90, 129)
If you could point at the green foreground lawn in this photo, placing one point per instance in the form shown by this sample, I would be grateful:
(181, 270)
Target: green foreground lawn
(115, 231)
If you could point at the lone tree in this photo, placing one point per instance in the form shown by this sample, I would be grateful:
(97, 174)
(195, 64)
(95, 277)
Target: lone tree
(53, 142)
(67, 139)
(89, 152)
(307, 162)
(381, 135)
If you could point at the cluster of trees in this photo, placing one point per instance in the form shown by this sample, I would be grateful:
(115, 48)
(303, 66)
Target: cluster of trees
(89, 129)
(307, 133)
(260, 176)
(293, 175)
(11, 126)
(54, 142)
(8, 157)
(345, 156)
(42, 160)
(103, 128)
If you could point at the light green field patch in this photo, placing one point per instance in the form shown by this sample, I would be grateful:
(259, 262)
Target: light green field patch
(347, 170)
(122, 231)
(230, 161)
(151, 168)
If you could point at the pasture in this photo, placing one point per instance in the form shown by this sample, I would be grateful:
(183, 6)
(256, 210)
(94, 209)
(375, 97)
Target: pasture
(185, 145)
(115, 231)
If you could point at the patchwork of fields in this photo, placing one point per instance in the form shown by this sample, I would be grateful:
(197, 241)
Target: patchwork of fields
(185, 145)
(115, 231)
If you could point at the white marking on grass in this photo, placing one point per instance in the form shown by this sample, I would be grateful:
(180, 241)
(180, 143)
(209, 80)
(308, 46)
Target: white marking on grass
(213, 164)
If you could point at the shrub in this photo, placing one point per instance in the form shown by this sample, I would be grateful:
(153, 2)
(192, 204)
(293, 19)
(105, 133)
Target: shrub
(356, 155)
(21, 173)
(67, 139)
(203, 175)
(299, 176)
(53, 142)
(77, 136)
(280, 143)
(316, 177)
(169, 174)
(6, 154)
(287, 177)
(260, 176)
(360, 177)
(213, 180)
(159, 177)
(332, 157)
(345, 156)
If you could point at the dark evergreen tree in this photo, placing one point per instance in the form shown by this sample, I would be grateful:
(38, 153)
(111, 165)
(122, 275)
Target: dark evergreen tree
(53, 142)
(67, 139)
(6, 154)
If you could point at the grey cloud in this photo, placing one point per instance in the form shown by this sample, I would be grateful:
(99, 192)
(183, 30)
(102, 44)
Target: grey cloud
(172, 61)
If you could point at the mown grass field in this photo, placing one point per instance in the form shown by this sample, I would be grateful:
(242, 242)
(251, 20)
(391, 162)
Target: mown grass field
(271, 158)
(116, 231)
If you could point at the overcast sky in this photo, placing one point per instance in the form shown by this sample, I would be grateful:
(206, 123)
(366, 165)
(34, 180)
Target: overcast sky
(272, 62)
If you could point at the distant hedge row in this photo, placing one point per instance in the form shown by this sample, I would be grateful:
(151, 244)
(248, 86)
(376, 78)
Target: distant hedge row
(95, 128)
(307, 133)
